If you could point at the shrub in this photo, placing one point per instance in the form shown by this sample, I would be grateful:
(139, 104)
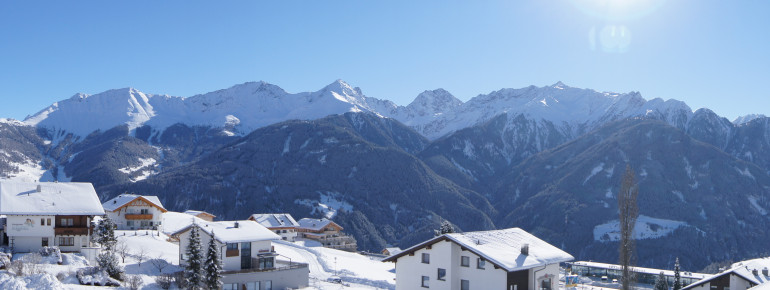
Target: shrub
(133, 282)
(164, 281)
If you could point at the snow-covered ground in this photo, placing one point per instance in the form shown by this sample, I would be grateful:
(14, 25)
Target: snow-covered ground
(645, 228)
(356, 271)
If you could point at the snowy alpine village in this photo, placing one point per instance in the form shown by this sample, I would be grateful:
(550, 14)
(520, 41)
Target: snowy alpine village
(394, 145)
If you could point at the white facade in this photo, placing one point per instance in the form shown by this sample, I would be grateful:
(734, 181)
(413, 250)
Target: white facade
(135, 212)
(232, 263)
(448, 255)
(44, 214)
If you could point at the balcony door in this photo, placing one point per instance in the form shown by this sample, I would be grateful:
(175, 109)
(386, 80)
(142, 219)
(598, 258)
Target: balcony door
(246, 255)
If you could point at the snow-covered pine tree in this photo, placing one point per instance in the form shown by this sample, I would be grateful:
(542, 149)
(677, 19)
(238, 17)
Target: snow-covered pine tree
(677, 277)
(194, 267)
(661, 283)
(447, 228)
(108, 262)
(212, 267)
(105, 234)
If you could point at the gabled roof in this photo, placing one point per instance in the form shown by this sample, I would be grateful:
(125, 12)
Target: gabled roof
(54, 198)
(741, 271)
(227, 232)
(316, 224)
(122, 200)
(275, 220)
(501, 248)
(394, 250)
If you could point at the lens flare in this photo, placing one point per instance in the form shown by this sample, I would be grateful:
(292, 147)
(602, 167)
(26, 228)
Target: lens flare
(618, 10)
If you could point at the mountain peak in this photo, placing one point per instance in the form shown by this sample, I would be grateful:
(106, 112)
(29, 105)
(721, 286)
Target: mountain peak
(433, 102)
(559, 85)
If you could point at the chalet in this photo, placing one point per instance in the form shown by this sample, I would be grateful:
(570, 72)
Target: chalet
(44, 214)
(641, 275)
(750, 274)
(135, 212)
(201, 214)
(391, 251)
(282, 224)
(247, 255)
(328, 233)
(509, 259)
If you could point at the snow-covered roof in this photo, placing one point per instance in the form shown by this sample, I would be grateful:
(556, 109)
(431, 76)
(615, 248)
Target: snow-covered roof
(275, 220)
(197, 212)
(315, 224)
(739, 270)
(57, 198)
(123, 199)
(174, 222)
(501, 247)
(227, 232)
(684, 274)
(393, 251)
(758, 265)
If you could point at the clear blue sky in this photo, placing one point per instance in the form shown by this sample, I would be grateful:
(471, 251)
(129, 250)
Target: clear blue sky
(708, 53)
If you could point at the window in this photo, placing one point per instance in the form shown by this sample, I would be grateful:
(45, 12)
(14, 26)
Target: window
(48, 221)
(67, 222)
(231, 286)
(66, 241)
(266, 263)
(45, 242)
(465, 285)
(425, 281)
(232, 246)
(425, 258)
(42, 222)
(465, 261)
(268, 285)
(252, 285)
(546, 284)
(441, 274)
(480, 263)
(144, 211)
(130, 223)
(144, 223)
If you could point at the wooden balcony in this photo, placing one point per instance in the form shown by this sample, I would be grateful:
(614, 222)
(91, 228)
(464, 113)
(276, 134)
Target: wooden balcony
(133, 216)
(70, 231)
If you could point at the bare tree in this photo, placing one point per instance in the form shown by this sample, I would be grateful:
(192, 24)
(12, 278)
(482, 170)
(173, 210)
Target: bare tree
(628, 211)
(159, 263)
(140, 255)
(122, 250)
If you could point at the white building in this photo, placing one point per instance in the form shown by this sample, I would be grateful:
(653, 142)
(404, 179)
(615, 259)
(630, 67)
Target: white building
(282, 224)
(247, 255)
(328, 233)
(135, 212)
(510, 259)
(741, 276)
(44, 214)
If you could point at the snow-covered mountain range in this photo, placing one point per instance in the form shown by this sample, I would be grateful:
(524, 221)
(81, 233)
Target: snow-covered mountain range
(243, 108)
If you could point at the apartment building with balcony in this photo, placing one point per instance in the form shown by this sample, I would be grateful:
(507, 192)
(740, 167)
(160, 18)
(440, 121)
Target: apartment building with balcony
(328, 233)
(135, 212)
(249, 260)
(282, 224)
(41, 214)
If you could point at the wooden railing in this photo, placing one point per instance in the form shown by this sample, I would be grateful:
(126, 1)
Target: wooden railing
(70, 231)
(133, 216)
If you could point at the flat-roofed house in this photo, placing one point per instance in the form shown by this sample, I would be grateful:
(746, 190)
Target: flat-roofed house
(247, 255)
(282, 224)
(510, 259)
(40, 214)
(135, 212)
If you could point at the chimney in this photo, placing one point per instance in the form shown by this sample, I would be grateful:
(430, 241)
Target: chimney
(764, 271)
(755, 272)
(525, 249)
(236, 225)
(39, 188)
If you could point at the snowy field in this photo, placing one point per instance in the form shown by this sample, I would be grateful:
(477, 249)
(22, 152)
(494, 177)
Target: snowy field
(355, 270)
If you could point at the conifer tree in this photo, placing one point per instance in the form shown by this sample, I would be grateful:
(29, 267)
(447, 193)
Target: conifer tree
(661, 283)
(105, 234)
(677, 277)
(212, 268)
(194, 267)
